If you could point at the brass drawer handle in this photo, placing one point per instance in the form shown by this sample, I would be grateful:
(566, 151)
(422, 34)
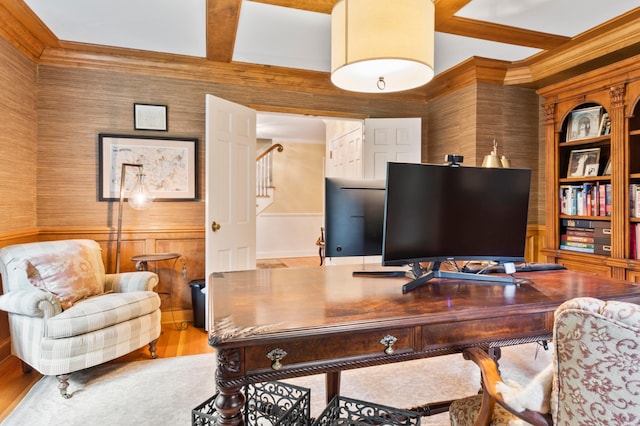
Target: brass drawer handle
(276, 356)
(388, 341)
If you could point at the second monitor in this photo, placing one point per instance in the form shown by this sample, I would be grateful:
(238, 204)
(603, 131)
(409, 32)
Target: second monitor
(354, 217)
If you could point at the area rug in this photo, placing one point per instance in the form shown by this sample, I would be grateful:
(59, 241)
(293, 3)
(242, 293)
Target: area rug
(164, 391)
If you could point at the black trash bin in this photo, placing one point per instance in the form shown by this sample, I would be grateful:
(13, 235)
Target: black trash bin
(198, 301)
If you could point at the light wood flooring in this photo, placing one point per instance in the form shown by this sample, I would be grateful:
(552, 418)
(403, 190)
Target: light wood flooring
(14, 384)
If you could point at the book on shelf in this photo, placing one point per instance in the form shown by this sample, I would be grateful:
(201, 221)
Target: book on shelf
(585, 223)
(603, 249)
(577, 238)
(577, 244)
(578, 249)
(634, 241)
(634, 200)
(580, 232)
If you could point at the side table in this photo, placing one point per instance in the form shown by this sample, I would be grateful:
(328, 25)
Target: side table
(142, 264)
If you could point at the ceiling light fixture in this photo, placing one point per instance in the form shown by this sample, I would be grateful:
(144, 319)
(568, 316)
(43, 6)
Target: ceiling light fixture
(381, 45)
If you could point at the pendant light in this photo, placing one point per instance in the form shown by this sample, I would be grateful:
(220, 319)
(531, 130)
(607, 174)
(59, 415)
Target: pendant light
(382, 46)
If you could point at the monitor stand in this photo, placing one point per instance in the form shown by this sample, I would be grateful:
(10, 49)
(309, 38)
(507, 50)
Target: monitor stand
(381, 274)
(435, 272)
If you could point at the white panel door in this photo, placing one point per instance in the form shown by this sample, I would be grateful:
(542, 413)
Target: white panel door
(344, 153)
(231, 186)
(390, 139)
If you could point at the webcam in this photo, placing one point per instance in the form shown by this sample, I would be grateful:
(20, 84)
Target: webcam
(453, 160)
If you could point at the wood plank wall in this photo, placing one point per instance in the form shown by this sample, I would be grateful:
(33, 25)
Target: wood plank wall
(49, 151)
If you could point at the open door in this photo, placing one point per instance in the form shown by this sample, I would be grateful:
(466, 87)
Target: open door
(390, 139)
(231, 186)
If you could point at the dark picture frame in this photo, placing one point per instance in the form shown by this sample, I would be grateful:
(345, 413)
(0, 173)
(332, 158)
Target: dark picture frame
(150, 117)
(169, 165)
(582, 162)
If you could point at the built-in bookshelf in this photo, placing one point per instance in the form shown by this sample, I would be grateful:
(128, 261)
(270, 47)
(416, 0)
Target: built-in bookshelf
(584, 149)
(592, 171)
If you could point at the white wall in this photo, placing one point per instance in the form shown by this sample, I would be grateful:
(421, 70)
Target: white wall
(287, 234)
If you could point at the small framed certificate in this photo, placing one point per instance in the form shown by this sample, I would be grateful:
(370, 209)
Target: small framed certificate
(150, 117)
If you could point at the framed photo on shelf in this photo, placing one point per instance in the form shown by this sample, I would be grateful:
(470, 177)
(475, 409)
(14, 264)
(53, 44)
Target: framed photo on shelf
(605, 124)
(583, 161)
(169, 165)
(591, 170)
(150, 117)
(607, 168)
(584, 123)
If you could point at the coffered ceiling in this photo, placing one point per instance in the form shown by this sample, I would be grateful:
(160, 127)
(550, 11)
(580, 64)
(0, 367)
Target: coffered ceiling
(296, 33)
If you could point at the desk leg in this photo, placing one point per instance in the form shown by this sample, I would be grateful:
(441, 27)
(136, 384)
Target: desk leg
(333, 385)
(230, 399)
(229, 403)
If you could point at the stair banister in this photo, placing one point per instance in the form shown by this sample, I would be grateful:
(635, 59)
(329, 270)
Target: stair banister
(263, 169)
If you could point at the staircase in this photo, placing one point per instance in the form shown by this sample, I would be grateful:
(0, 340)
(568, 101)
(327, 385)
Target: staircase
(265, 190)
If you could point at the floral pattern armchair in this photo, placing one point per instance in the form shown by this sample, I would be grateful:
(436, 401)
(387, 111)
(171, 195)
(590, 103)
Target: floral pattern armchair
(66, 314)
(594, 379)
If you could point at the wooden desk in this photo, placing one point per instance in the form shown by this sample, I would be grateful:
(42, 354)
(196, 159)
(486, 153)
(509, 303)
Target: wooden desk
(271, 324)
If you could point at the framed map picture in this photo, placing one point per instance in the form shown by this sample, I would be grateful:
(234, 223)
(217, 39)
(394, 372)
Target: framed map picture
(169, 165)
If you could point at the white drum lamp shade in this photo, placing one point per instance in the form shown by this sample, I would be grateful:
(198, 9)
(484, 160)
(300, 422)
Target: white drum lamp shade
(382, 45)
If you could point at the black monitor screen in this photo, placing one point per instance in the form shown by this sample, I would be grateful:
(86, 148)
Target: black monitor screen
(354, 217)
(436, 213)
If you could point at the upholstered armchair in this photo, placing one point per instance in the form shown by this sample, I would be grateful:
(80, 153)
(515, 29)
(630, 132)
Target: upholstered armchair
(66, 314)
(594, 378)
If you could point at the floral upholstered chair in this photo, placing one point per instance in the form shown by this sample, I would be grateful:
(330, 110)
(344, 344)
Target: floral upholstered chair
(594, 378)
(66, 314)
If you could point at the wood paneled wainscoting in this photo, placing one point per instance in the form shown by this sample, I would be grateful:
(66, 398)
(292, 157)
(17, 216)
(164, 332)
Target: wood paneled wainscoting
(174, 275)
(534, 243)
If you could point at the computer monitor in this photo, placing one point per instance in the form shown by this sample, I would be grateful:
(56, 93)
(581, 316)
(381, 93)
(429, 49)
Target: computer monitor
(436, 213)
(354, 217)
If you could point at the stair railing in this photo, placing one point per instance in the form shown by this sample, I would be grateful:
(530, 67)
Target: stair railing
(264, 175)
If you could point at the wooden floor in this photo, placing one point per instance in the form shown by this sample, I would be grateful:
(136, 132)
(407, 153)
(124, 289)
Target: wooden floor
(172, 343)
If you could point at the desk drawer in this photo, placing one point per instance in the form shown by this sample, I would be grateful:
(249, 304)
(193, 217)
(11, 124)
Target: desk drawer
(471, 332)
(329, 347)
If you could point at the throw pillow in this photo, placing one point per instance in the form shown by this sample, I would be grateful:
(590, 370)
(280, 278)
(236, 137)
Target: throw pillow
(69, 275)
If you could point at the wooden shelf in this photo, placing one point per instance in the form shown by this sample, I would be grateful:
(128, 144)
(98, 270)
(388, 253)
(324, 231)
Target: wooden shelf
(600, 140)
(586, 179)
(602, 218)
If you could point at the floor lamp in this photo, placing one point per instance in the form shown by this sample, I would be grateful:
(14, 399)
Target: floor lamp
(139, 199)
